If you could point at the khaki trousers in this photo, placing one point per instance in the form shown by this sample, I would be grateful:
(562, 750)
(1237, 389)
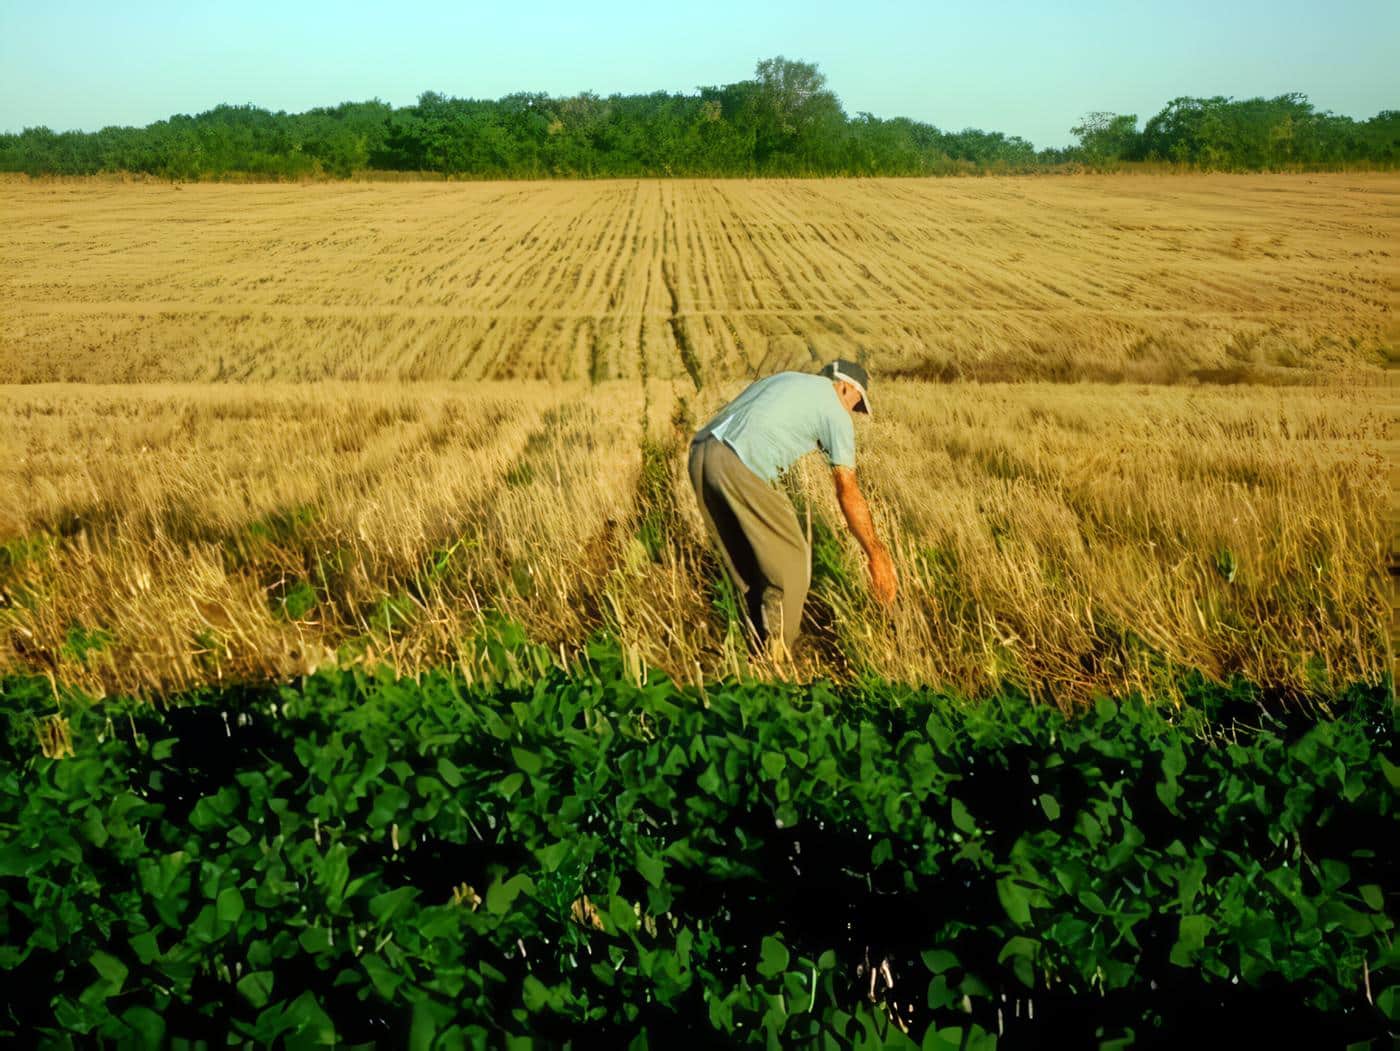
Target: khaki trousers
(759, 539)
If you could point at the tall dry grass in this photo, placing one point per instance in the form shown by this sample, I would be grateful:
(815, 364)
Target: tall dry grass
(317, 455)
(1064, 539)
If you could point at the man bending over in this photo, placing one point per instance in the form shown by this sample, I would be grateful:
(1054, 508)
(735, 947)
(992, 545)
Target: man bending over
(736, 458)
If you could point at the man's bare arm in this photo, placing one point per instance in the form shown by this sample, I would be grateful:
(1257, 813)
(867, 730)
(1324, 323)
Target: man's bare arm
(856, 510)
(862, 526)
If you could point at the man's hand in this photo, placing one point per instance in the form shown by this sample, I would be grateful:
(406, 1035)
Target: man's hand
(883, 580)
(882, 576)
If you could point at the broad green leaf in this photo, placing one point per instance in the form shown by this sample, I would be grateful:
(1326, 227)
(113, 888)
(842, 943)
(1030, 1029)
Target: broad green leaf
(500, 896)
(144, 945)
(709, 780)
(1389, 1002)
(16, 860)
(1018, 946)
(881, 852)
(309, 1020)
(534, 994)
(229, 905)
(1190, 939)
(962, 820)
(1173, 761)
(528, 761)
(112, 970)
(161, 750)
(1192, 875)
(622, 913)
(148, 1027)
(205, 927)
(1022, 953)
(653, 869)
(256, 987)
(939, 960)
(1391, 771)
(939, 733)
(447, 770)
(947, 1039)
(1015, 899)
(940, 995)
(1088, 827)
(554, 855)
(774, 957)
(384, 906)
(386, 981)
(315, 939)
(388, 805)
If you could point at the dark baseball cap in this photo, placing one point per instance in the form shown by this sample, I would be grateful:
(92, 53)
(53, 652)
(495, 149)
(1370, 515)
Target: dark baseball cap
(855, 375)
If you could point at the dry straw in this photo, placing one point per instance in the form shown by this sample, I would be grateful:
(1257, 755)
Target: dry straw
(249, 430)
(1063, 539)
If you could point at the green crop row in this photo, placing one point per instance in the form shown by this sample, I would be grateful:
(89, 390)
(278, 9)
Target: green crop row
(586, 860)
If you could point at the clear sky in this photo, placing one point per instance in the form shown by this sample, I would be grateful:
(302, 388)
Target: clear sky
(1020, 67)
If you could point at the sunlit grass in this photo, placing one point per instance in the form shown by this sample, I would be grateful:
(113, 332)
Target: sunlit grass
(1059, 539)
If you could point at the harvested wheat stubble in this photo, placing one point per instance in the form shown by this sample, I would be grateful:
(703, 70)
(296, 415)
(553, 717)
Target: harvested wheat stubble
(167, 530)
(1063, 538)
(1272, 278)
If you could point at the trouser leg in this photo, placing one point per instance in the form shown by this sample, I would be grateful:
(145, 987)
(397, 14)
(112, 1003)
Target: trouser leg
(785, 593)
(758, 533)
(728, 539)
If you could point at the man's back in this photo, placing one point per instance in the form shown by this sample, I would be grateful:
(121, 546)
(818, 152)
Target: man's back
(780, 418)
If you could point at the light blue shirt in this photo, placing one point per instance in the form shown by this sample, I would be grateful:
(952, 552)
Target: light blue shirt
(780, 418)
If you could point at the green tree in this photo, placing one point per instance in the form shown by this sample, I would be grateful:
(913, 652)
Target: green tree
(782, 121)
(1106, 138)
(792, 111)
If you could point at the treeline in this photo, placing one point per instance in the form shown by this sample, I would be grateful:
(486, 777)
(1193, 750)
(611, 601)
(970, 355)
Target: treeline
(785, 121)
(1241, 135)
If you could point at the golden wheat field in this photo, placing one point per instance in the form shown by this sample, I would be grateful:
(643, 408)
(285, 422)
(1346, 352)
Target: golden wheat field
(250, 430)
(1151, 278)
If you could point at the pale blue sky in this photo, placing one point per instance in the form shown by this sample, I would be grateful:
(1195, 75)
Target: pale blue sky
(1023, 68)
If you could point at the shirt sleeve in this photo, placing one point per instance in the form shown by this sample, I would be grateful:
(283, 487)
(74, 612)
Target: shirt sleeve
(837, 437)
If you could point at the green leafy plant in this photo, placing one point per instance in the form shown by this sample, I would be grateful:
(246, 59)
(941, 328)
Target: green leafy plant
(79, 642)
(295, 601)
(1226, 564)
(553, 856)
